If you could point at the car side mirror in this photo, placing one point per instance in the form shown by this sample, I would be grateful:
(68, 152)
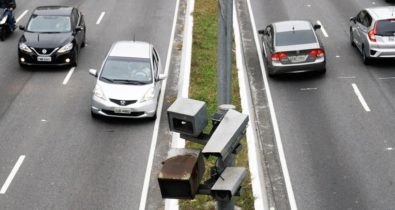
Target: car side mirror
(22, 28)
(79, 28)
(162, 77)
(352, 19)
(317, 26)
(262, 31)
(93, 72)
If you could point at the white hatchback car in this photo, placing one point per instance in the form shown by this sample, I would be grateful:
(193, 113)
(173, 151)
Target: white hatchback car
(129, 82)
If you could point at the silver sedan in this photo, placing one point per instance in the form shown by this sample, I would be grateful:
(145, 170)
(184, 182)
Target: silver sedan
(292, 47)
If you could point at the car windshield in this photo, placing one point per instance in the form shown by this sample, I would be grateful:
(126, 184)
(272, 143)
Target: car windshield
(49, 24)
(127, 71)
(386, 27)
(295, 37)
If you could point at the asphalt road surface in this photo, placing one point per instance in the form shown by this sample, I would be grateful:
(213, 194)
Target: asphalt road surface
(337, 130)
(66, 159)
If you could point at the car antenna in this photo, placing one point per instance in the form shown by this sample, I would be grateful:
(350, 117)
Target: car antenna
(293, 29)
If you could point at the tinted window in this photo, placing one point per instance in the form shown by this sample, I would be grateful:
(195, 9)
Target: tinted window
(386, 27)
(54, 24)
(295, 37)
(127, 70)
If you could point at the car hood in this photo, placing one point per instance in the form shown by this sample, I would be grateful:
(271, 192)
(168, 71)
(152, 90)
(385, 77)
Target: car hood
(124, 92)
(297, 47)
(46, 40)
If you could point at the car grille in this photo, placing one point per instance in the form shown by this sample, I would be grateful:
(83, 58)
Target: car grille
(123, 102)
(133, 114)
(40, 51)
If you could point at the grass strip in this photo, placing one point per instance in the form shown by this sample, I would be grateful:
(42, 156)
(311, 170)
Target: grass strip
(203, 86)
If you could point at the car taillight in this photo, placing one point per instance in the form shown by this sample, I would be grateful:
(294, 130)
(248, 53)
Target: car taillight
(317, 53)
(279, 56)
(372, 33)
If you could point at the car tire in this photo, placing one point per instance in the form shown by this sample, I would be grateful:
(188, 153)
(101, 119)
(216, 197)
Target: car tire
(352, 38)
(83, 44)
(366, 60)
(74, 64)
(323, 71)
(94, 115)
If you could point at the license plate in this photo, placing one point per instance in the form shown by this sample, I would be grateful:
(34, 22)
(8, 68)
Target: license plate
(298, 58)
(122, 110)
(44, 59)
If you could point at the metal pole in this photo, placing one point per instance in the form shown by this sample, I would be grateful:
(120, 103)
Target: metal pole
(224, 51)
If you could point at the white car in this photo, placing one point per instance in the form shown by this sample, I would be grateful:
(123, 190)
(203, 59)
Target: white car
(129, 82)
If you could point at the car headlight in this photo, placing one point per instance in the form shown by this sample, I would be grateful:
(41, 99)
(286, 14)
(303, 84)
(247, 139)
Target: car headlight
(3, 20)
(98, 92)
(149, 95)
(66, 48)
(24, 47)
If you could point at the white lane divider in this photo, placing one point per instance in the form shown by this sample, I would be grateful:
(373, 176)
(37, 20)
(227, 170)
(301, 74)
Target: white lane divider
(66, 80)
(386, 78)
(323, 29)
(12, 175)
(100, 18)
(360, 97)
(276, 128)
(21, 16)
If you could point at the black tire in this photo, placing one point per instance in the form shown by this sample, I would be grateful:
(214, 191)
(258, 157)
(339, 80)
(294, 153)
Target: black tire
(94, 115)
(366, 60)
(323, 71)
(2, 34)
(352, 38)
(75, 57)
(83, 44)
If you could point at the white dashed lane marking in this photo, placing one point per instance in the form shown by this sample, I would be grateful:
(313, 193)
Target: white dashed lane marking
(100, 18)
(323, 29)
(12, 175)
(360, 97)
(21, 16)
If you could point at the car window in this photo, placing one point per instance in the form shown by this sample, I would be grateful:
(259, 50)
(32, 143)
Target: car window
(386, 27)
(361, 17)
(295, 37)
(127, 69)
(49, 24)
(367, 20)
(155, 61)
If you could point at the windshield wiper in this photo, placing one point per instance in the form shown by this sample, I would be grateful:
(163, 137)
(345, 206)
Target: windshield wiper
(107, 79)
(126, 81)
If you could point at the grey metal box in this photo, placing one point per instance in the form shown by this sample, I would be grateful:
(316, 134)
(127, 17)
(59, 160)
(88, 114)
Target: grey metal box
(187, 116)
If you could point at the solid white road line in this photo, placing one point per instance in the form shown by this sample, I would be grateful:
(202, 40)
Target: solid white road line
(347, 77)
(100, 18)
(154, 140)
(360, 97)
(66, 80)
(21, 16)
(287, 178)
(384, 78)
(12, 175)
(257, 177)
(323, 29)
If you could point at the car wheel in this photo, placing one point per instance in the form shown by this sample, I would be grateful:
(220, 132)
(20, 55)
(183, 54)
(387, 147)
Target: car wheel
(366, 60)
(352, 38)
(94, 115)
(83, 44)
(75, 57)
(323, 71)
(2, 34)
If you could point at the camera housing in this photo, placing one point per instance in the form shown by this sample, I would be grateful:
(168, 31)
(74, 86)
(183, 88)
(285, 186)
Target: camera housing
(181, 173)
(229, 183)
(226, 136)
(187, 116)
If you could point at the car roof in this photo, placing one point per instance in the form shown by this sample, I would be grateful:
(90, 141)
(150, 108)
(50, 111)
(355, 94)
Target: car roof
(382, 12)
(132, 49)
(291, 25)
(53, 10)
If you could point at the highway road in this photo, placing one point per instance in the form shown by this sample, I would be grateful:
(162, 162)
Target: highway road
(63, 158)
(337, 130)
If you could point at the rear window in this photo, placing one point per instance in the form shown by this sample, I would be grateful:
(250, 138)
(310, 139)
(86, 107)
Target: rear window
(295, 37)
(386, 27)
